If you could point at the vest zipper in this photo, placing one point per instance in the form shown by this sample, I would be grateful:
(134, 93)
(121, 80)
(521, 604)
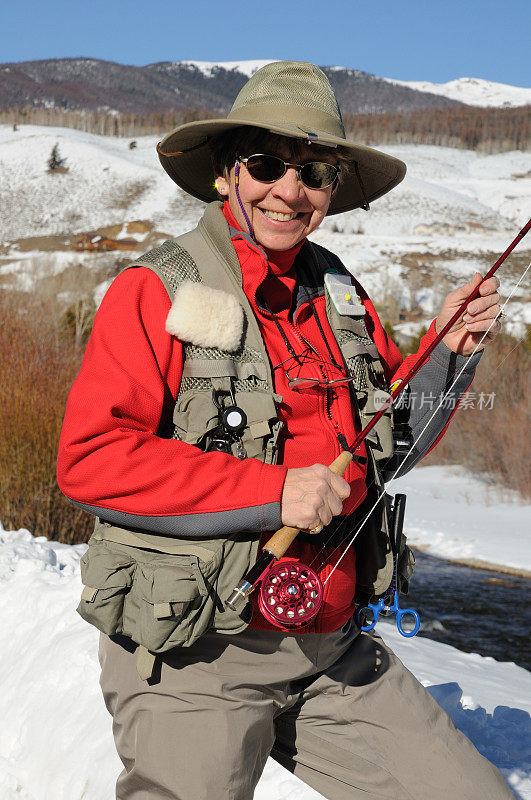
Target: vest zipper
(339, 439)
(320, 552)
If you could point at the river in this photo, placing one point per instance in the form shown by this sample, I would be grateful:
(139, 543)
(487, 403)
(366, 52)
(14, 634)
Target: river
(475, 610)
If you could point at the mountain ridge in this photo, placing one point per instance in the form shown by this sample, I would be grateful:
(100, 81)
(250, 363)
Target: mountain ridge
(94, 84)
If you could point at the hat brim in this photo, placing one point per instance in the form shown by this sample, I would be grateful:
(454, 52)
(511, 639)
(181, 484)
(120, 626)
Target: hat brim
(185, 155)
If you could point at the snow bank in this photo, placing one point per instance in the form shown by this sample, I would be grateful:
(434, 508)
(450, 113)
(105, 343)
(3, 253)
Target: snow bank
(56, 727)
(454, 515)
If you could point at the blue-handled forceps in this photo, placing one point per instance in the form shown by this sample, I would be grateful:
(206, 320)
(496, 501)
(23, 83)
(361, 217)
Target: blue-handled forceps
(367, 616)
(376, 608)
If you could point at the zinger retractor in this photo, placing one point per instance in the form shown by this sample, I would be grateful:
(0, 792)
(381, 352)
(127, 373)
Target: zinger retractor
(232, 421)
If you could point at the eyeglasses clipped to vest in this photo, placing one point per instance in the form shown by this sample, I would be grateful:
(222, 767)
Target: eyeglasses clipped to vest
(296, 381)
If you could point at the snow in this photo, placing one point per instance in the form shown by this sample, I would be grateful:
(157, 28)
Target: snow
(480, 523)
(103, 176)
(456, 210)
(247, 68)
(473, 91)
(444, 184)
(56, 727)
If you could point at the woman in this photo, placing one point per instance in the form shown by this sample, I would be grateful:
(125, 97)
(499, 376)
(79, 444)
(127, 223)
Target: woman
(220, 380)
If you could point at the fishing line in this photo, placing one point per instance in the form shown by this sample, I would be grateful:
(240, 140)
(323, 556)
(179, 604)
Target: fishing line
(504, 359)
(295, 600)
(394, 476)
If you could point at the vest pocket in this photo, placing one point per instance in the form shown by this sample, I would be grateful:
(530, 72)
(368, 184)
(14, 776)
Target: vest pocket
(159, 600)
(172, 600)
(107, 576)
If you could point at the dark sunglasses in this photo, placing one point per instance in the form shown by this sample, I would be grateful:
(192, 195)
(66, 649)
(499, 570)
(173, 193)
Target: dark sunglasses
(268, 169)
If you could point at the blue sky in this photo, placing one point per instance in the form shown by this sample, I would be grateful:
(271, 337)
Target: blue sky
(404, 39)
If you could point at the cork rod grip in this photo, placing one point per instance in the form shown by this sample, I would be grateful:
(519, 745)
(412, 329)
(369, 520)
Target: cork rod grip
(281, 540)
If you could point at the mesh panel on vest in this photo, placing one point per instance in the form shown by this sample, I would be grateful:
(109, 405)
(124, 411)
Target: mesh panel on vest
(174, 262)
(357, 368)
(344, 336)
(205, 385)
(243, 355)
(176, 265)
(356, 365)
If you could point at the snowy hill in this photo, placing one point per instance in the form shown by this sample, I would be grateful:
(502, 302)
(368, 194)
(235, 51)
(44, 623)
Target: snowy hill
(55, 726)
(473, 91)
(455, 212)
(247, 68)
(90, 83)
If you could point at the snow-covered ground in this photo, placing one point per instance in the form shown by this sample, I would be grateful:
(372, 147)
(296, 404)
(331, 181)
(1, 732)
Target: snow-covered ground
(454, 515)
(454, 191)
(454, 213)
(56, 742)
(474, 91)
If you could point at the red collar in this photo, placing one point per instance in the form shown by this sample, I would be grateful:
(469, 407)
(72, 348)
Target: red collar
(279, 262)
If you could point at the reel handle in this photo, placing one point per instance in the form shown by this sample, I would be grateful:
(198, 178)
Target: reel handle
(281, 540)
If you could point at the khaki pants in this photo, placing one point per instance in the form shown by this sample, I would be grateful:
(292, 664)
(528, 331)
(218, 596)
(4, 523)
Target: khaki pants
(339, 710)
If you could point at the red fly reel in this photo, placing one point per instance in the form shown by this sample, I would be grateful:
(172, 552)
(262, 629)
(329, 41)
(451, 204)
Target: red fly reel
(290, 594)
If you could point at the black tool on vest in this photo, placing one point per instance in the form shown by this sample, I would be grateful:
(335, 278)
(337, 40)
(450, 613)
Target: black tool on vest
(402, 436)
(232, 421)
(407, 619)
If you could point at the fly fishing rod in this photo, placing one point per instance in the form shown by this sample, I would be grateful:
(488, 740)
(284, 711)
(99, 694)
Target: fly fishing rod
(291, 592)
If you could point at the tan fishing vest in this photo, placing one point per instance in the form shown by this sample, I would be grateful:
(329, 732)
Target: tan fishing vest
(165, 591)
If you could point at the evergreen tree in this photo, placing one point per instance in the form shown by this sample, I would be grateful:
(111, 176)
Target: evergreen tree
(55, 161)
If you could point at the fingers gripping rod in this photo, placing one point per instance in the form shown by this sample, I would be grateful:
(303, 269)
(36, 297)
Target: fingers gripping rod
(276, 547)
(421, 360)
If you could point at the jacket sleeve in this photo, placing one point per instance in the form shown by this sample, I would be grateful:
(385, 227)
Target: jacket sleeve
(427, 412)
(113, 460)
(429, 400)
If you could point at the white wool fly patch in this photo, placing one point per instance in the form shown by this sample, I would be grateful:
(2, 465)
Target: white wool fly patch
(205, 317)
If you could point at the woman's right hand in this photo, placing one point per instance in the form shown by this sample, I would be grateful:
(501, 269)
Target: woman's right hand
(312, 496)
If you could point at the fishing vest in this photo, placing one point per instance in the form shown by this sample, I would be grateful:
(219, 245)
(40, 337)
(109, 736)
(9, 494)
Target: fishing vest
(165, 591)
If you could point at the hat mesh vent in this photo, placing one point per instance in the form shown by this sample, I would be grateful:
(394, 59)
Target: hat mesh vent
(292, 87)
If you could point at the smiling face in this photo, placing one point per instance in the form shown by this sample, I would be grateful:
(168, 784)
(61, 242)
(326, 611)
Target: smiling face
(284, 212)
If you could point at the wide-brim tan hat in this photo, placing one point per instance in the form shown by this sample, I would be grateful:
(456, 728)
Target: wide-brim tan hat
(290, 98)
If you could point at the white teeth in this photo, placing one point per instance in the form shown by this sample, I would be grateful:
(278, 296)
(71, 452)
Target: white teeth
(279, 216)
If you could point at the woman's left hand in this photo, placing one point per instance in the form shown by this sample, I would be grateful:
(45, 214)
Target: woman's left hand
(468, 330)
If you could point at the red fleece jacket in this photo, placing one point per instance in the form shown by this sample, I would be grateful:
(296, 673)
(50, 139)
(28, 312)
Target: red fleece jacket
(112, 455)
